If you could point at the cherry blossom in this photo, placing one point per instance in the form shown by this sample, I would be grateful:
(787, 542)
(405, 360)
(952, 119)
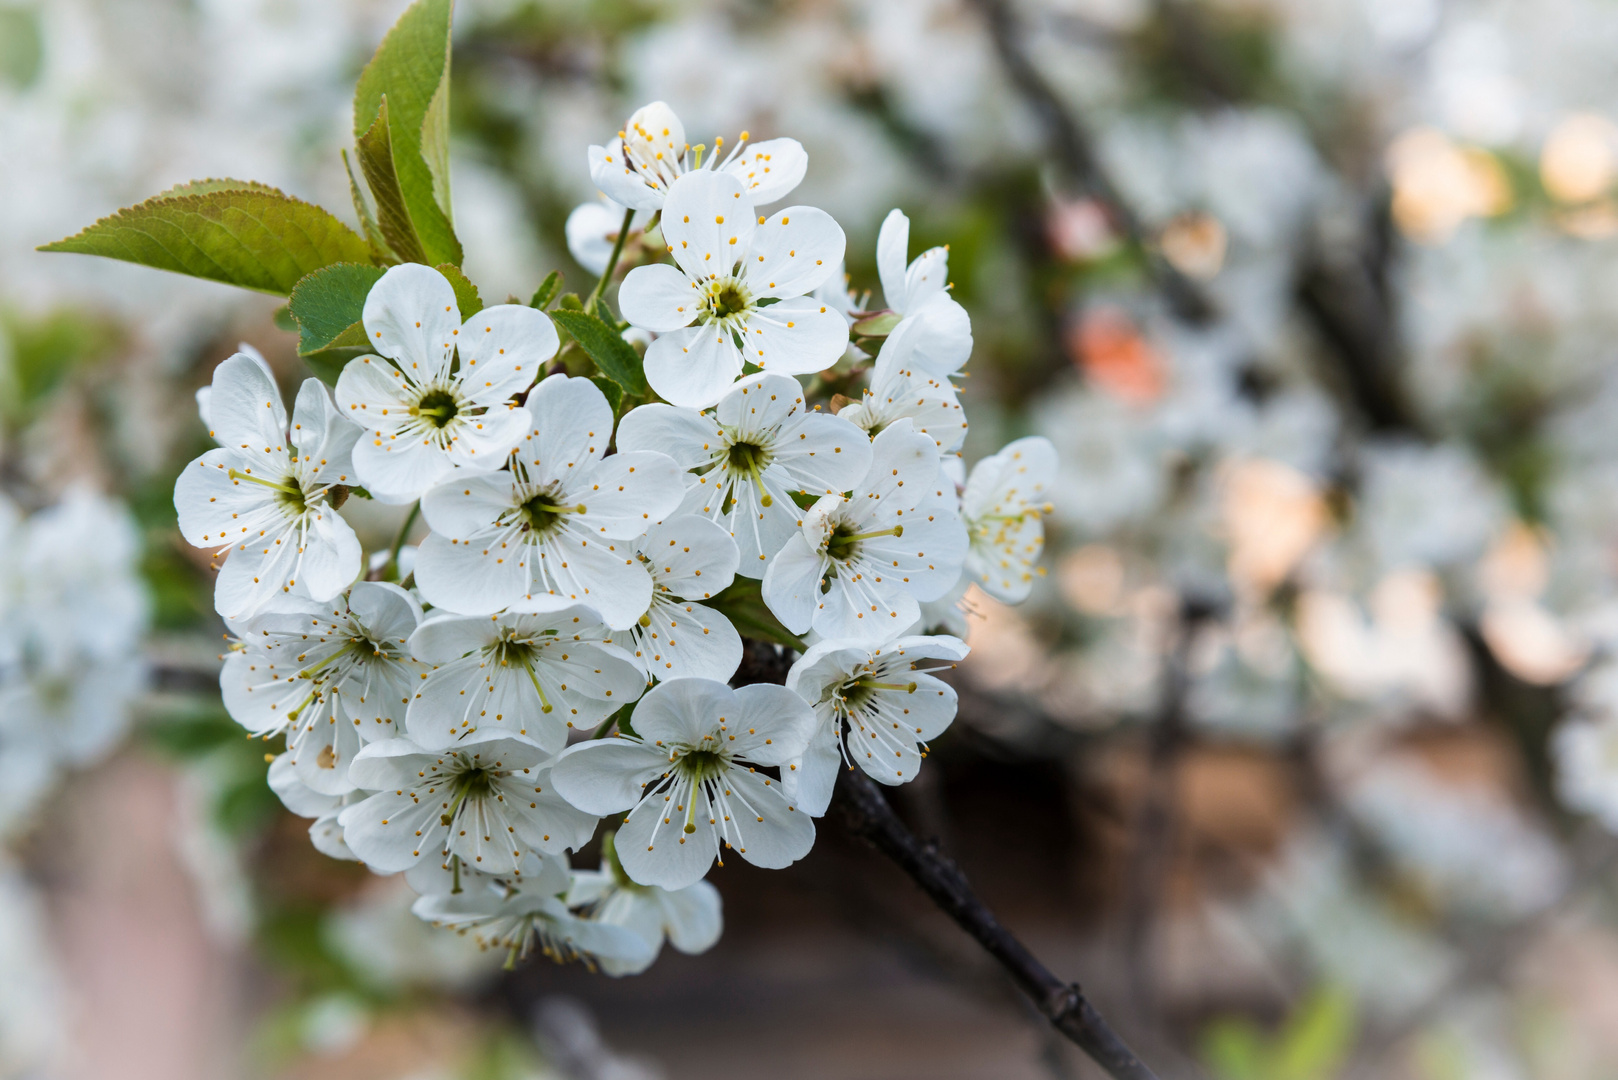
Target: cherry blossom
(268, 497)
(736, 291)
(423, 415)
(748, 455)
(690, 781)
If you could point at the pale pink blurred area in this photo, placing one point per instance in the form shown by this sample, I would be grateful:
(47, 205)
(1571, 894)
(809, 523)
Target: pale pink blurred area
(149, 992)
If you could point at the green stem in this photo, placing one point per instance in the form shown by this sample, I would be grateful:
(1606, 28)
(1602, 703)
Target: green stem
(392, 569)
(612, 263)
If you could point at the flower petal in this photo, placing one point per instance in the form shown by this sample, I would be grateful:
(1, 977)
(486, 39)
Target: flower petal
(245, 407)
(606, 776)
(502, 350)
(628, 492)
(693, 367)
(659, 298)
(770, 169)
(795, 252)
(686, 435)
(610, 171)
(795, 337)
(411, 318)
(892, 253)
(791, 586)
(707, 223)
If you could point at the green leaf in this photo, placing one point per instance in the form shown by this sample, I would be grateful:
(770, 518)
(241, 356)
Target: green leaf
(570, 302)
(255, 237)
(616, 357)
(328, 306)
(547, 290)
(375, 150)
(466, 294)
(743, 604)
(208, 187)
(435, 144)
(380, 250)
(411, 70)
(283, 318)
(614, 392)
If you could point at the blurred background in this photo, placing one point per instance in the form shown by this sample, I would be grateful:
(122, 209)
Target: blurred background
(1304, 755)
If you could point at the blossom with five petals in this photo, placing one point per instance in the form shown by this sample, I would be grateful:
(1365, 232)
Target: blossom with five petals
(690, 781)
(876, 708)
(536, 670)
(709, 308)
(558, 523)
(488, 801)
(331, 678)
(1001, 506)
(423, 415)
(266, 495)
(641, 165)
(859, 566)
(747, 456)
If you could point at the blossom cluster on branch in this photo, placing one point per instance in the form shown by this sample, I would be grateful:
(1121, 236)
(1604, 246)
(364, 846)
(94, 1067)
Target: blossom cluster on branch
(560, 650)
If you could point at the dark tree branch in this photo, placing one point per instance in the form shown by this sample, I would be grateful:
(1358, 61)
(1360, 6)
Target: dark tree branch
(1074, 153)
(860, 807)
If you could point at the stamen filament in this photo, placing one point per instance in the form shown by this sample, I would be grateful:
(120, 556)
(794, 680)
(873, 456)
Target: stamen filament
(290, 489)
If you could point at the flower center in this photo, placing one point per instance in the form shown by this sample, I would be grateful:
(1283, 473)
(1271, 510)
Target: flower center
(702, 765)
(728, 298)
(438, 406)
(541, 513)
(748, 458)
(844, 543)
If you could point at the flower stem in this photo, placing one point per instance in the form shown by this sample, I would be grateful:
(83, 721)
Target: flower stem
(391, 570)
(612, 262)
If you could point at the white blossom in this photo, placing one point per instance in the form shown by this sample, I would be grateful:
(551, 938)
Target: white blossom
(1001, 507)
(534, 671)
(876, 709)
(690, 559)
(592, 232)
(520, 920)
(690, 918)
(558, 523)
(726, 264)
(331, 679)
(640, 166)
(899, 391)
(325, 834)
(690, 781)
(934, 330)
(424, 417)
(748, 454)
(265, 496)
(488, 801)
(859, 566)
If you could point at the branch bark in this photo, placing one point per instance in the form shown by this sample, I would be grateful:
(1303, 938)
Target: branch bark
(861, 808)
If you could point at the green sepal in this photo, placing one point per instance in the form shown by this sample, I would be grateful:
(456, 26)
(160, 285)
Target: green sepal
(466, 293)
(547, 290)
(743, 604)
(614, 392)
(614, 357)
(230, 231)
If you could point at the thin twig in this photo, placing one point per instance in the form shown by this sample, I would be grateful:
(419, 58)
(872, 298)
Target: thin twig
(863, 811)
(612, 263)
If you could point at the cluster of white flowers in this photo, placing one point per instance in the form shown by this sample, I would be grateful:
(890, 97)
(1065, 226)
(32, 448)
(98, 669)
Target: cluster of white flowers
(72, 614)
(562, 641)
